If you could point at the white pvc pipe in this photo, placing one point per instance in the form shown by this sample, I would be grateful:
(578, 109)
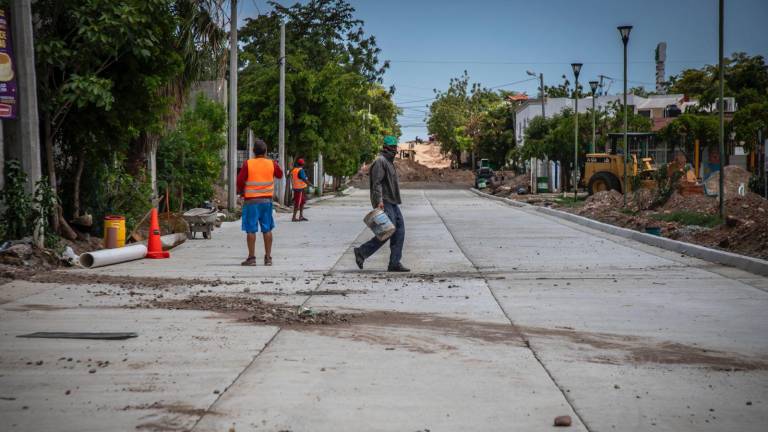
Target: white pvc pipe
(106, 257)
(169, 241)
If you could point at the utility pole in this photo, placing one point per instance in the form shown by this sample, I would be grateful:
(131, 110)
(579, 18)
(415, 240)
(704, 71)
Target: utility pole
(251, 139)
(232, 153)
(28, 125)
(721, 109)
(320, 168)
(281, 121)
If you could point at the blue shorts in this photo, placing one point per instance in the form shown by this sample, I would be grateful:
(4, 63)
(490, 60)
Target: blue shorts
(257, 217)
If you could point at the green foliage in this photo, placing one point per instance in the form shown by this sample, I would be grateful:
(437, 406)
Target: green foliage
(333, 75)
(748, 120)
(188, 159)
(690, 127)
(44, 205)
(496, 134)
(16, 220)
(746, 79)
(685, 217)
(667, 181)
(116, 192)
(570, 202)
(459, 119)
(23, 212)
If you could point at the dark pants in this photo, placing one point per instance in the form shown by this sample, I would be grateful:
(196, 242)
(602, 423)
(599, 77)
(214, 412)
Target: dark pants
(395, 242)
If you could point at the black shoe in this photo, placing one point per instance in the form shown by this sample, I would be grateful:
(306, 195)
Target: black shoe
(359, 259)
(398, 268)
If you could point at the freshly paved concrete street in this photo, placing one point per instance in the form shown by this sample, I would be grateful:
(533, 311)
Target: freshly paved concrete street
(509, 319)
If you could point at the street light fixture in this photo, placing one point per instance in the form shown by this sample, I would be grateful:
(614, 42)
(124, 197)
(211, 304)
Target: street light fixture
(593, 85)
(576, 70)
(624, 32)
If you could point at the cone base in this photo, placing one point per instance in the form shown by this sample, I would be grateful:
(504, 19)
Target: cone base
(158, 255)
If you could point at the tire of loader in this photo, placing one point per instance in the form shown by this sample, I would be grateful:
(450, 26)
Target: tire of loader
(603, 181)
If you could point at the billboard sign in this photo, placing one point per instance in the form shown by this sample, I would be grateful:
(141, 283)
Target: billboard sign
(7, 70)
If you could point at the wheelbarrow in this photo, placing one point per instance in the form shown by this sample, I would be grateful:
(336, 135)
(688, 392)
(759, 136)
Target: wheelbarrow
(200, 220)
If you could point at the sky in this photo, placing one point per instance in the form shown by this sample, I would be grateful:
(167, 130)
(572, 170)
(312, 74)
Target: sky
(496, 41)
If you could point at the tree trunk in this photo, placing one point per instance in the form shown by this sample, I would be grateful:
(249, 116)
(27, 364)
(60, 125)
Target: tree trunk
(78, 177)
(66, 231)
(51, 170)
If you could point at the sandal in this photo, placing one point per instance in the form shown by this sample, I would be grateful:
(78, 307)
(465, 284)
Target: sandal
(267, 261)
(250, 261)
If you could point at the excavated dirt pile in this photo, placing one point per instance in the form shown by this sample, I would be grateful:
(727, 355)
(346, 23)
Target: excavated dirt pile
(744, 231)
(409, 171)
(509, 184)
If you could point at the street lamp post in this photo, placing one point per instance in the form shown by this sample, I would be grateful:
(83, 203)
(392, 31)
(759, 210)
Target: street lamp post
(624, 32)
(721, 108)
(576, 70)
(593, 85)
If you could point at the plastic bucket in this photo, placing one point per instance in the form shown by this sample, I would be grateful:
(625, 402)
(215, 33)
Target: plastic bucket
(378, 221)
(653, 231)
(114, 237)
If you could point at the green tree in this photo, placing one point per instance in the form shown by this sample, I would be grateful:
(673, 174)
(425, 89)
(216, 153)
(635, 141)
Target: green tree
(746, 79)
(188, 159)
(496, 134)
(455, 116)
(332, 76)
(748, 120)
(688, 128)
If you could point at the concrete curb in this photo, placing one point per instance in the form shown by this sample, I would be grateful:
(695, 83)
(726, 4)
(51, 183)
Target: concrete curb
(752, 265)
(346, 192)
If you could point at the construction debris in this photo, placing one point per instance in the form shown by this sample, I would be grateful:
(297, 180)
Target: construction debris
(689, 218)
(409, 171)
(251, 309)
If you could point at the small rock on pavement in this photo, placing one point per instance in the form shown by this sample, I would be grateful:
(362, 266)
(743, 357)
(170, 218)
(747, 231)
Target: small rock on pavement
(563, 420)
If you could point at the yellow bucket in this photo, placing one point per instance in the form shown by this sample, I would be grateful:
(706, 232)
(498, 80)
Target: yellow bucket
(114, 231)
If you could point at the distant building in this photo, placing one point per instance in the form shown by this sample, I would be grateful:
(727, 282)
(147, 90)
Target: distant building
(660, 109)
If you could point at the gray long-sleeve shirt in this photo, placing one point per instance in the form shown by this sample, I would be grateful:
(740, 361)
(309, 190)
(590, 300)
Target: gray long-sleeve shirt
(384, 184)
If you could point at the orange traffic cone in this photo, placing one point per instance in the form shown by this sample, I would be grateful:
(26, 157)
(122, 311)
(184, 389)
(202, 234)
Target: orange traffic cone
(155, 246)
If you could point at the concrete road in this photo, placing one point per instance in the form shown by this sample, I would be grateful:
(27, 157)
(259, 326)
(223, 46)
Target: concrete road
(508, 319)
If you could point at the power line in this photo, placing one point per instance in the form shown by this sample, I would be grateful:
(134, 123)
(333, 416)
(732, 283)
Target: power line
(533, 63)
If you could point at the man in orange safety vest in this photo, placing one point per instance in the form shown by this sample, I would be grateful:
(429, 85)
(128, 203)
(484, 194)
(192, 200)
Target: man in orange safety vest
(256, 184)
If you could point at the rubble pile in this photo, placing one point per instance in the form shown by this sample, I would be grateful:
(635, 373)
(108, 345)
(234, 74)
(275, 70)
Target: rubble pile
(509, 184)
(735, 178)
(409, 171)
(744, 231)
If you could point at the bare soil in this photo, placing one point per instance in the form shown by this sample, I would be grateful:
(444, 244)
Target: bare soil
(80, 278)
(414, 174)
(252, 309)
(745, 230)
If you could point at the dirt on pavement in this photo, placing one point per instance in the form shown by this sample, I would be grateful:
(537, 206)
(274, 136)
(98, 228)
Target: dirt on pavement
(252, 309)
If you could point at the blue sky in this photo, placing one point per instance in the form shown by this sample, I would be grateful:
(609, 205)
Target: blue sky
(496, 41)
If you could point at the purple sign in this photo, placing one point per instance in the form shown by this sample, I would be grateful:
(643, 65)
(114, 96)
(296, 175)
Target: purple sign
(7, 70)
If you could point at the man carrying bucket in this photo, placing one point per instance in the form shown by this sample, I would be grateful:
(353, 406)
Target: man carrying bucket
(256, 183)
(299, 183)
(385, 195)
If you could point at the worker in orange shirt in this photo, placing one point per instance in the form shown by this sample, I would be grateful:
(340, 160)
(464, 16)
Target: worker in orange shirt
(256, 184)
(299, 183)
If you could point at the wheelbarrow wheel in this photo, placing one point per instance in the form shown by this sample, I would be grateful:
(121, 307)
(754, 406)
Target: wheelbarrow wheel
(206, 235)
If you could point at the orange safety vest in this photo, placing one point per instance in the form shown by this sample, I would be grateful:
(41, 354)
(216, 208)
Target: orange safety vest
(260, 182)
(297, 182)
